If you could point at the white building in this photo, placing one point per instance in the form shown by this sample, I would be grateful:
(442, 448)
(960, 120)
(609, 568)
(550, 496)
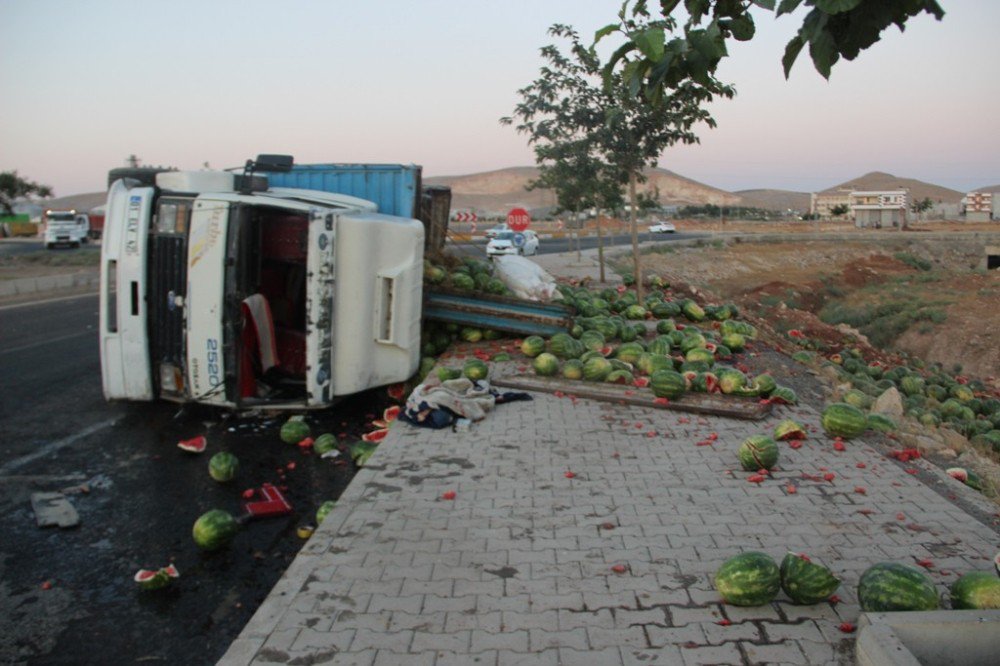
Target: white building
(880, 208)
(979, 206)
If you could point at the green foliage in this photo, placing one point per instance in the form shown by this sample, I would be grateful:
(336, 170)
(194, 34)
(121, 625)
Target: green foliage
(882, 323)
(13, 187)
(913, 261)
(661, 54)
(840, 209)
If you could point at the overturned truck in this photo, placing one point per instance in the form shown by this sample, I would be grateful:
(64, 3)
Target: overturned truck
(223, 289)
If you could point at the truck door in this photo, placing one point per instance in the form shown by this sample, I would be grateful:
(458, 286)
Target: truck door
(205, 304)
(125, 367)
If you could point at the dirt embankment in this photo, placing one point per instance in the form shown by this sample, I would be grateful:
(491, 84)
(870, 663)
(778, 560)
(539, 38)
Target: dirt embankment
(931, 300)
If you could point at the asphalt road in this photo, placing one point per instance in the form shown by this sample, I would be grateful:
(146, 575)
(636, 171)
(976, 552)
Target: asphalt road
(552, 245)
(67, 596)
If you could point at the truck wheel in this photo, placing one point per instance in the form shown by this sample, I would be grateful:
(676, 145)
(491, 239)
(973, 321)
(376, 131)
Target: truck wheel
(49, 246)
(140, 175)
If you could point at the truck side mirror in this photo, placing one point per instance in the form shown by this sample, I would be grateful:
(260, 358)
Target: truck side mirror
(273, 163)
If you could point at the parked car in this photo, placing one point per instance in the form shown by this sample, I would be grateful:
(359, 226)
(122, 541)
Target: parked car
(506, 243)
(663, 228)
(497, 230)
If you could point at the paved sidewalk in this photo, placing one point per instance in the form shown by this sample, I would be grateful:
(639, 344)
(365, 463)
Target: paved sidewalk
(587, 533)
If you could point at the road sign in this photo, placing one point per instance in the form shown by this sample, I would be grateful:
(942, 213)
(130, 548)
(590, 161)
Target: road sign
(518, 240)
(518, 219)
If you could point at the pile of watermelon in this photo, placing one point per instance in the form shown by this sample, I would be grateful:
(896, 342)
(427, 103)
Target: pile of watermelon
(472, 275)
(673, 359)
(930, 395)
(754, 579)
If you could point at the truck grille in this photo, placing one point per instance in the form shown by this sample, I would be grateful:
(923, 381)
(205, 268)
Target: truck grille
(167, 291)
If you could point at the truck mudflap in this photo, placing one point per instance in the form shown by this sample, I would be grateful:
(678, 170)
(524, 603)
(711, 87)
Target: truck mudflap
(125, 366)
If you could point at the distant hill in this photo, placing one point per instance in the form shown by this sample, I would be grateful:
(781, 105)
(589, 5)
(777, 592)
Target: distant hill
(878, 180)
(497, 191)
(774, 199)
(992, 188)
(80, 202)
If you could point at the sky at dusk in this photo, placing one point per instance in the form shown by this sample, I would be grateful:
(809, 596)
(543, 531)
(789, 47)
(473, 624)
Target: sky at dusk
(86, 84)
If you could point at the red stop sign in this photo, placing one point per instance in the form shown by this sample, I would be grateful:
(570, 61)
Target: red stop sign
(518, 219)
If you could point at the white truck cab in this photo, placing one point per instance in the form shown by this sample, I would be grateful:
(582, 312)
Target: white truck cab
(65, 227)
(217, 290)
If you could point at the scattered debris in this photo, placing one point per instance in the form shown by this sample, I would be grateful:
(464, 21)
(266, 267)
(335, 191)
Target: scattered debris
(54, 509)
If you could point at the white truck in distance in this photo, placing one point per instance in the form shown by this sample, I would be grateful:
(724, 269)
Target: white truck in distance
(65, 227)
(218, 290)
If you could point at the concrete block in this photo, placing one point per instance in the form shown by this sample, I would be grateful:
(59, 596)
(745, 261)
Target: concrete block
(929, 638)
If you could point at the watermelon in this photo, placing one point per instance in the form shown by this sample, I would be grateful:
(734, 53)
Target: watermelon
(546, 364)
(765, 383)
(294, 430)
(223, 466)
(840, 419)
(362, 451)
(564, 346)
(734, 341)
(789, 429)
(976, 590)
(573, 369)
(214, 529)
(692, 340)
(857, 398)
(881, 423)
(375, 436)
(704, 382)
(445, 373)
(912, 385)
(152, 580)
(325, 444)
(748, 579)
(664, 326)
(888, 587)
(475, 369)
(966, 476)
(702, 355)
(193, 445)
(758, 452)
(731, 379)
(469, 334)
(629, 352)
(692, 310)
(619, 376)
(659, 345)
(592, 340)
(962, 393)
(784, 395)
(434, 274)
(667, 384)
(806, 582)
(596, 369)
(324, 509)
(533, 345)
(462, 281)
(500, 357)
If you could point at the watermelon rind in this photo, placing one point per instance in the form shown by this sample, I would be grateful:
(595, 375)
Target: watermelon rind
(789, 429)
(976, 590)
(889, 587)
(214, 529)
(806, 582)
(758, 452)
(151, 580)
(546, 364)
(193, 445)
(748, 579)
(324, 509)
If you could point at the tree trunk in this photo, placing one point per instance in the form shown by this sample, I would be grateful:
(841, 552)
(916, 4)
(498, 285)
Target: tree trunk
(600, 246)
(634, 224)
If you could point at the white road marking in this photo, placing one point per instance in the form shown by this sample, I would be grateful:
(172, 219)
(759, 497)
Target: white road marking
(42, 343)
(52, 447)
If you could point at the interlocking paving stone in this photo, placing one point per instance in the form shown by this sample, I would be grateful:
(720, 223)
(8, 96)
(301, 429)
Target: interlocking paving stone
(517, 569)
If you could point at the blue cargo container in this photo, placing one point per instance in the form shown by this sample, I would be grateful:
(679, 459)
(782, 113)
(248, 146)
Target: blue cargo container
(394, 188)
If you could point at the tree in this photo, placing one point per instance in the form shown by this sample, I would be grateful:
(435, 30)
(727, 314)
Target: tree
(660, 53)
(571, 104)
(921, 206)
(839, 209)
(13, 187)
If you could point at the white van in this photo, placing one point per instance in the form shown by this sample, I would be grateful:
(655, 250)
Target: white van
(218, 290)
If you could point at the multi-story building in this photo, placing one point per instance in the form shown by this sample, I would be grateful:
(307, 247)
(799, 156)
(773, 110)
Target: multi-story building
(978, 206)
(823, 204)
(879, 209)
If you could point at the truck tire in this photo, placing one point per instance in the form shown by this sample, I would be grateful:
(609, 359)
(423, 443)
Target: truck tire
(139, 175)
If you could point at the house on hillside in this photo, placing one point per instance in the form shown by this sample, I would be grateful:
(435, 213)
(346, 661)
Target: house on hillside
(880, 208)
(979, 207)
